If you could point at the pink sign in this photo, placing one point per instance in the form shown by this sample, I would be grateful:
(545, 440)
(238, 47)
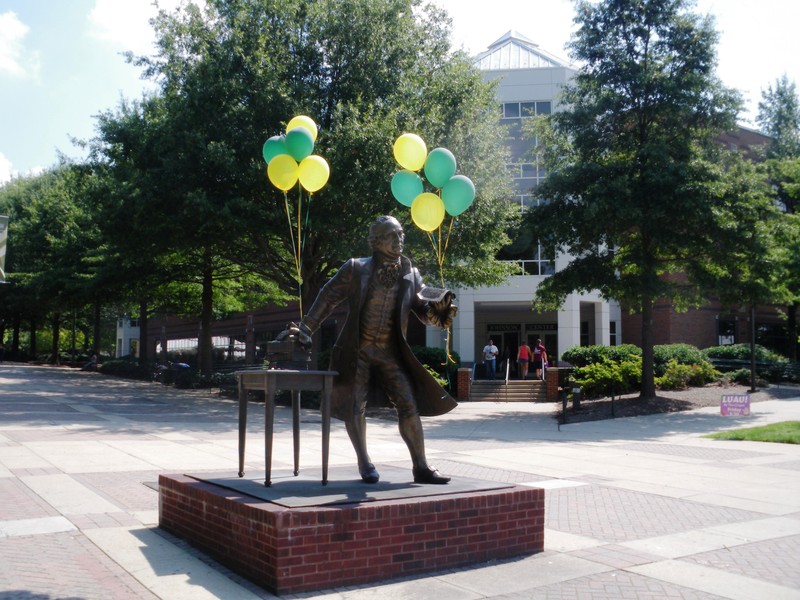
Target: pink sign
(735, 405)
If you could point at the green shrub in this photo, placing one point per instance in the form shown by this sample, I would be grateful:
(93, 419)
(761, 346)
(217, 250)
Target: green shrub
(434, 359)
(683, 354)
(127, 368)
(742, 352)
(680, 376)
(607, 377)
(582, 356)
(740, 376)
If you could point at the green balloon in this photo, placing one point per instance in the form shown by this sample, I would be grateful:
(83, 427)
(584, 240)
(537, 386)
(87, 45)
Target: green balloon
(273, 147)
(440, 166)
(299, 143)
(406, 185)
(458, 194)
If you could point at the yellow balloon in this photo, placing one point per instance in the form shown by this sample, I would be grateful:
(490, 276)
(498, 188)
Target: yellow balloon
(283, 172)
(314, 172)
(427, 211)
(304, 122)
(410, 151)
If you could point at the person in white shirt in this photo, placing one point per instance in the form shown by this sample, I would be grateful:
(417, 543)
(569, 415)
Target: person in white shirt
(490, 353)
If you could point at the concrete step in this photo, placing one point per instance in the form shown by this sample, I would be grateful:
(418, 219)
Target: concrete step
(484, 390)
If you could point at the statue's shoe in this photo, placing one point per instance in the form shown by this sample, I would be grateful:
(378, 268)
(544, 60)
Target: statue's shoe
(369, 474)
(429, 475)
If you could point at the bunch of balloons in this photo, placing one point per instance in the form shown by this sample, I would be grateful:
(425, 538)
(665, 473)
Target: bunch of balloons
(289, 157)
(455, 192)
(289, 160)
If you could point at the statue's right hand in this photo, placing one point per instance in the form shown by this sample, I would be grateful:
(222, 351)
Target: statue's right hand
(296, 331)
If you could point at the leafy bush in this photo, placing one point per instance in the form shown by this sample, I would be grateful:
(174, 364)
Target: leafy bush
(740, 376)
(682, 354)
(608, 377)
(434, 359)
(124, 367)
(605, 370)
(582, 356)
(680, 376)
(742, 352)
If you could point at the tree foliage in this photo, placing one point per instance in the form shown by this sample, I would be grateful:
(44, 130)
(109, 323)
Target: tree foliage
(188, 222)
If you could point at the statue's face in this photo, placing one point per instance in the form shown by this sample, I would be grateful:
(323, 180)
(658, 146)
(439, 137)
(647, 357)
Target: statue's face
(389, 240)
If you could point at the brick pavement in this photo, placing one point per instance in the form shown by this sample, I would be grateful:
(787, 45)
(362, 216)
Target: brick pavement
(637, 508)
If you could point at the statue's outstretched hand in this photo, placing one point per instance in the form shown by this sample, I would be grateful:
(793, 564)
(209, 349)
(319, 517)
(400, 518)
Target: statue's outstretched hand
(442, 312)
(296, 331)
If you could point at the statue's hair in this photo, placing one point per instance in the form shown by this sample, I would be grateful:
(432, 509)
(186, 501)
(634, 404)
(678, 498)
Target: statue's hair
(380, 226)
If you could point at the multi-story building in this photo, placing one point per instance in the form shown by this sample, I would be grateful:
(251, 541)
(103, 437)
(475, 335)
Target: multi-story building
(529, 81)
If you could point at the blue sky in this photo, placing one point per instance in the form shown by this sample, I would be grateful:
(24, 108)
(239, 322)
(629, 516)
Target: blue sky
(60, 61)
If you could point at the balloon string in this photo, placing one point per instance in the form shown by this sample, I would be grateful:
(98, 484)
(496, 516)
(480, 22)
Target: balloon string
(308, 213)
(449, 231)
(289, 219)
(299, 250)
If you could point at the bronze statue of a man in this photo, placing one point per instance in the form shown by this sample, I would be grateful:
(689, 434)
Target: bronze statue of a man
(381, 292)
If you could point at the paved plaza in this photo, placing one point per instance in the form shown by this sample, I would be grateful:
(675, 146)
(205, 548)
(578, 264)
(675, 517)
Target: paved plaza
(642, 507)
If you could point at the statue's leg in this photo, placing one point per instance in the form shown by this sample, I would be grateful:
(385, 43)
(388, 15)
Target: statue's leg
(398, 388)
(356, 424)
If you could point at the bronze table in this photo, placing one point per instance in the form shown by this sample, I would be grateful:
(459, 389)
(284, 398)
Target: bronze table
(270, 380)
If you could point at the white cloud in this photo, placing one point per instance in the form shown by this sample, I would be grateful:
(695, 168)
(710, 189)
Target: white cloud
(126, 25)
(14, 59)
(6, 171)
(123, 24)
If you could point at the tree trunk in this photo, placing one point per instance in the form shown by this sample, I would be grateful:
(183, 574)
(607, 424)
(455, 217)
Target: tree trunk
(56, 334)
(791, 327)
(96, 318)
(144, 344)
(204, 344)
(15, 328)
(752, 348)
(648, 377)
(32, 349)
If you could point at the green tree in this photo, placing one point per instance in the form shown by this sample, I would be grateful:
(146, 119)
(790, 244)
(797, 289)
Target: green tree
(54, 234)
(233, 73)
(631, 195)
(779, 117)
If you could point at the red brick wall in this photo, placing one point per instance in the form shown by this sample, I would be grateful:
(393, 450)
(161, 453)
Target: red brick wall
(302, 549)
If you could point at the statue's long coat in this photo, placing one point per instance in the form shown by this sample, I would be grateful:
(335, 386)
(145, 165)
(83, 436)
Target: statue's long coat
(351, 283)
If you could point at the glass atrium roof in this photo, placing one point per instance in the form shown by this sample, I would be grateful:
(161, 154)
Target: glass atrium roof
(515, 51)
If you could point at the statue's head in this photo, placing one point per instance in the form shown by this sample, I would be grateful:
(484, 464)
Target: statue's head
(386, 236)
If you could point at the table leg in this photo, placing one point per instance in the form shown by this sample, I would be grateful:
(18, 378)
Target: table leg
(326, 425)
(269, 414)
(242, 424)
(296, 429)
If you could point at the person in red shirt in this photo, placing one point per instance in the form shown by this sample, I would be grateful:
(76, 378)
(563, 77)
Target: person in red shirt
(524, 359)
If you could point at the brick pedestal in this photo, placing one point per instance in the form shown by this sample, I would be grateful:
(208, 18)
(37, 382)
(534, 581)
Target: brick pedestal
(291, 550)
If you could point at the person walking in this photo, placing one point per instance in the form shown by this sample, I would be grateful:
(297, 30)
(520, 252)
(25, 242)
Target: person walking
(524, 359)
(539, 358)
(490, 353)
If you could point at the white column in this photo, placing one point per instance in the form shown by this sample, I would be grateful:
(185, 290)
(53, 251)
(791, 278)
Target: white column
(569, 324)
(464, 327)
(601, 324)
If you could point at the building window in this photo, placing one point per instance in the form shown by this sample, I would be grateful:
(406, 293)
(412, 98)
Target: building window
(726, 331)
(612, 334)
(515, 110)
